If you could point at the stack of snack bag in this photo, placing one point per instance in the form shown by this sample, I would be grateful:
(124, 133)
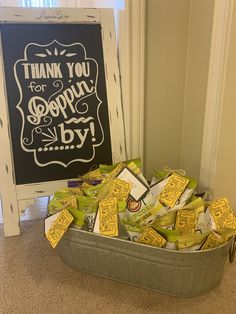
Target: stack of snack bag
(118, 201)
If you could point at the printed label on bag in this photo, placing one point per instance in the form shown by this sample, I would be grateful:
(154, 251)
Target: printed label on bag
(185, 221)
(120, 189)
(212, 241)
(138, 187)
(95, 175)
(114, 172)
(222, 213)
(59, 227)
(173, 189)
(151, 237)
(108, 218)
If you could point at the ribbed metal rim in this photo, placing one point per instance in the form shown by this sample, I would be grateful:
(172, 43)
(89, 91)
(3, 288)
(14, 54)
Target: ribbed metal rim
(152, 247)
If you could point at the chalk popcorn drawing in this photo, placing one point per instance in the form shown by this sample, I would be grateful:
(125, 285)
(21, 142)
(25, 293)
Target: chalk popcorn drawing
(59, 103)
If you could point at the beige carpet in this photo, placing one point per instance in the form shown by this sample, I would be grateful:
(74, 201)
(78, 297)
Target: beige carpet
(34, 280)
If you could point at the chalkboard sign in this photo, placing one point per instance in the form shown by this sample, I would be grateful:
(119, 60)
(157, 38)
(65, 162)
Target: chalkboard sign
(57, 99)
(60, 101)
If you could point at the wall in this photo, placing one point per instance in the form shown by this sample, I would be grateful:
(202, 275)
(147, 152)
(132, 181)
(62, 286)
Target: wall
(178, 38)
(166, 48)
(225, 175)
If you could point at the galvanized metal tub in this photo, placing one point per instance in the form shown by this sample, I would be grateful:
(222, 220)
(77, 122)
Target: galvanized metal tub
(182, 274)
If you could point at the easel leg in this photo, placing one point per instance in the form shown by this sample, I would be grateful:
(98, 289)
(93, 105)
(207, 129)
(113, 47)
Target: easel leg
(11, 218)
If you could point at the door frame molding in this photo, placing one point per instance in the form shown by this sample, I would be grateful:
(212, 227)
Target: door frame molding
(221, 30)
(132, 66)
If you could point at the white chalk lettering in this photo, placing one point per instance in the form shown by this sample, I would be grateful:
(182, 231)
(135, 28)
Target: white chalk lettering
(62, 104)
(42, 70)
(78, 69)
(68, 135)
(81, 136)
(34, 87)
(38, 107)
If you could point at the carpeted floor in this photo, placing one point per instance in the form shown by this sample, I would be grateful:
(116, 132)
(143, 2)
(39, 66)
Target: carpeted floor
(34, 280)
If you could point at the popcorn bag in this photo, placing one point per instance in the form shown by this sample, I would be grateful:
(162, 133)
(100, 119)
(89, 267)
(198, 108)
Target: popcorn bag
(119, 194)
(118, 203)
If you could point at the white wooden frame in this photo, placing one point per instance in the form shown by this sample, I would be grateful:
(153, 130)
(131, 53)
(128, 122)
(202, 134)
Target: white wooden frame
(14, 198)
(132, 65)
(222, 20)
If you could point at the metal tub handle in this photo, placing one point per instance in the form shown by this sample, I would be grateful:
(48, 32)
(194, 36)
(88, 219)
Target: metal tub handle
(232, 250)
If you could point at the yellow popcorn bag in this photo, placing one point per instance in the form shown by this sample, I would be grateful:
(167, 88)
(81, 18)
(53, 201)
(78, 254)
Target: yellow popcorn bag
(213, 240)
(106, 222)
(173, 189)
(222, 214)
(218, 237)
(119, 189)
(108, 219)
(151, 237)
(185, 221)
(58, 226)
(114, 172)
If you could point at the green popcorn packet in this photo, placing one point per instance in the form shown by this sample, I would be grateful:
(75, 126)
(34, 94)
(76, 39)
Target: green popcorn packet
(121, 206)
(169, 234)
(191, 242)
(90, 201)
(60, 201)
(218, 237)
(62, 198)
(67, 192)
(88, 206)
(93, 190)
(134, 230)
(55, 206)
(146, 214)
(62, 194)
(156, 188)
(78, 215)
(70, 203)
(106, 169)
(190, 189)
(165, 221)
(160, 175)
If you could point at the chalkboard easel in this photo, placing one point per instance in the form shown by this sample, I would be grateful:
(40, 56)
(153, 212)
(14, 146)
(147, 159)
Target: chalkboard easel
(60, 110)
